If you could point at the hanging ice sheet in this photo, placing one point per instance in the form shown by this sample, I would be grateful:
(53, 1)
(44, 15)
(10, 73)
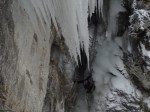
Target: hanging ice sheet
(70, 15)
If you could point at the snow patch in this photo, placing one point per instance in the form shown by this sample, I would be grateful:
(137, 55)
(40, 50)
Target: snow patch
(109, 81)
(144, 51)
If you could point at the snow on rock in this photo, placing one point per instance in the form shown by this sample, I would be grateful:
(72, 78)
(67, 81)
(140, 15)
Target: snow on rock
(139, 20)
(147, 101)
(144, 51)
(114, 90)
(107, 61)
(142, 17)
(134, 4)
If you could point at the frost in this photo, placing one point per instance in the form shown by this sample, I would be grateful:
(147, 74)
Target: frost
(134, 4)
(141, 16)
(140, 21)
(148, 33)
(144, 51)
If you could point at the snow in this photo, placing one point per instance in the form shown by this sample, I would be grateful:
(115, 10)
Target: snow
(147, 101)
(108, 86)
(144, 51)
(107, 60)
(140, 21)
(123, 84)
(142, 14)
(148, 33)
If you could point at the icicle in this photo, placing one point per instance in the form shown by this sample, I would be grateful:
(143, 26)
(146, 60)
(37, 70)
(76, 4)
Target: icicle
(67, 14)
(100, 7)
(82, 16)
(92, 5)
(115, 8)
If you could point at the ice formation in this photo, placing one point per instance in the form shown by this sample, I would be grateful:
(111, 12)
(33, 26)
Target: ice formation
(115, 8)
(95, 4)
(109, 57)
(68, 16)
(92, 4)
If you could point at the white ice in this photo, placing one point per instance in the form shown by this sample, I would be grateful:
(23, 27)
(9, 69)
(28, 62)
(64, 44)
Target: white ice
(68, 16)
(115, 8)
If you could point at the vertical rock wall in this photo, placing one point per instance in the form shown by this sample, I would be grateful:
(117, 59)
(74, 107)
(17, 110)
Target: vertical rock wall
(36, 70)
(24, 61)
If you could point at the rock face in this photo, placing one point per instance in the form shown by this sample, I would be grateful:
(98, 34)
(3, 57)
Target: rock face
(121, 68)
(61, 90)
(25, 60)
(9, 52)
(36, 71)
(31, 80)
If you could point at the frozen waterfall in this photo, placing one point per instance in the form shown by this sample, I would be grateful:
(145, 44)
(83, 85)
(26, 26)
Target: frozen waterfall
(68, 16)
(106, 68)
(70, 19)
